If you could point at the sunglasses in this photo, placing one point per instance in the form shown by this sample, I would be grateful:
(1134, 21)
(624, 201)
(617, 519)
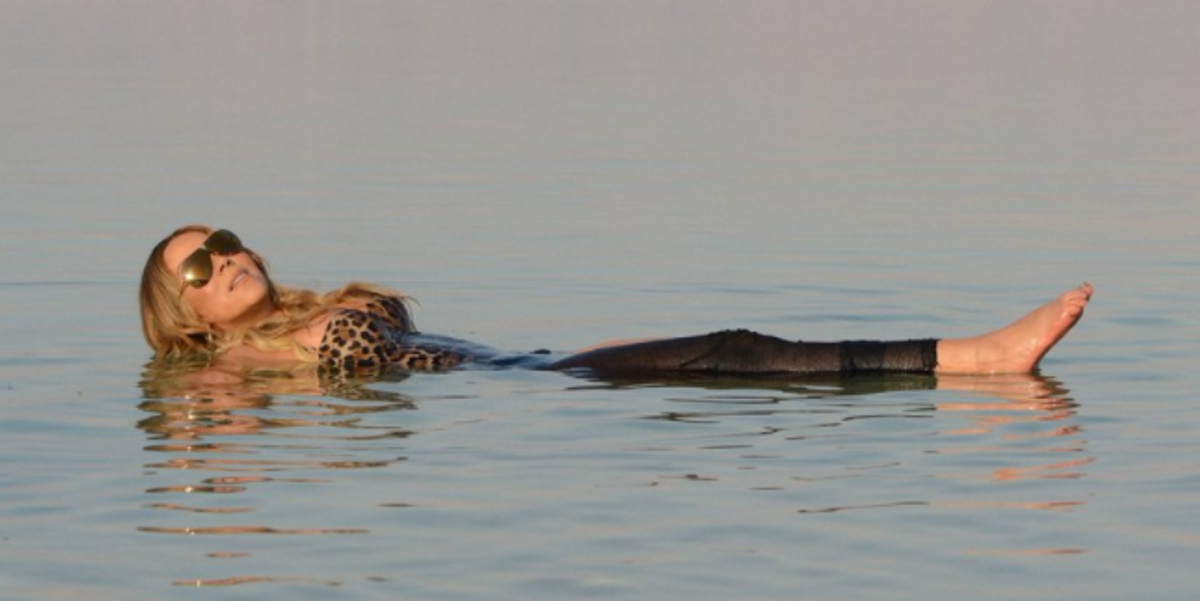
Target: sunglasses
(197, 269)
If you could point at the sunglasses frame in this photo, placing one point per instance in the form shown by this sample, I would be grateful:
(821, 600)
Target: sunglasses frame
(197, 269)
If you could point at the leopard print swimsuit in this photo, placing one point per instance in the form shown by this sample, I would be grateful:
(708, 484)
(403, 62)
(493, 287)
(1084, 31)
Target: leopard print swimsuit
(379, 337)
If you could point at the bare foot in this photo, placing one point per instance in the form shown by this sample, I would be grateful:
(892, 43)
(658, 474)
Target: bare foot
(1020, 346)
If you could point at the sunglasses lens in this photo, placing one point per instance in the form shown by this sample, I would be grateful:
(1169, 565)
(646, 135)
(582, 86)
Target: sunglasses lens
(197, 269)
(223, 242)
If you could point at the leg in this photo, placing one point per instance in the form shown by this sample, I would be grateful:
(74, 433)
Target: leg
(1016, 348)
(1020, 346)
(744, 352)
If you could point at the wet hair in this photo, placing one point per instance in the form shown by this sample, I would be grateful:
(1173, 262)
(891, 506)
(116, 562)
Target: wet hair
(173, 329)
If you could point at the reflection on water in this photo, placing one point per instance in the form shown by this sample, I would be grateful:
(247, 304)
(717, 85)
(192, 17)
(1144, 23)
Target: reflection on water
(225, 420)
(254, 580)
(226, 442)
(1029, 411)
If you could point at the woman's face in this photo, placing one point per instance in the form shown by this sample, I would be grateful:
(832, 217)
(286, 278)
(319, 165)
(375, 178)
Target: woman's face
(235, 297)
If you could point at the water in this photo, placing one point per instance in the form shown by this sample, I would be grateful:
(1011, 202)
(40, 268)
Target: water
(547, 174)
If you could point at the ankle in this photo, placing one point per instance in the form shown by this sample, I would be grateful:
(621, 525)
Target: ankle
(958, 355)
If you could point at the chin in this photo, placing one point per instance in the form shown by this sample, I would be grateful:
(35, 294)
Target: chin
(250, 303)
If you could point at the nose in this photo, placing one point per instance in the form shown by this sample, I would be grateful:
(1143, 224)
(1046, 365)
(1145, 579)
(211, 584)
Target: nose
(222, 263)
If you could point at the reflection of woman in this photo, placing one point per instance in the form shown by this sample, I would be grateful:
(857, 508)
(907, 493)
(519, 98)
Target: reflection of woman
(193, 400)
(203, 292)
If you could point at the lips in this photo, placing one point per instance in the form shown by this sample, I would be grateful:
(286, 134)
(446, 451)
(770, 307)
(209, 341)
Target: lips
(242, 274)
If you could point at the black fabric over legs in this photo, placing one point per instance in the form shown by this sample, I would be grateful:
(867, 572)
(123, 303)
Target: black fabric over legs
(746, 352)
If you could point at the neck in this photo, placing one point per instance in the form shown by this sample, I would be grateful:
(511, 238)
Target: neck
(254, 316)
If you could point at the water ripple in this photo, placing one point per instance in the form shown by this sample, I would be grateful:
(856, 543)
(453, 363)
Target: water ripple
(836, 509)
(240, 580)
(177, 507)
(250, 530)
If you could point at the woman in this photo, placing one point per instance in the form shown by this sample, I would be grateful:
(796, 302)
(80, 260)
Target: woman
(203, 292)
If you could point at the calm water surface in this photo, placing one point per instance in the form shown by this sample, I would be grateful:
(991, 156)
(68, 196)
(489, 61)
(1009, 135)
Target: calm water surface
(544, 174)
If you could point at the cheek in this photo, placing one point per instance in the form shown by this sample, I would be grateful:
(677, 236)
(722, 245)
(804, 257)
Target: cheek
(256, 270)
(204, 303)
(258, 275)
(195, 300)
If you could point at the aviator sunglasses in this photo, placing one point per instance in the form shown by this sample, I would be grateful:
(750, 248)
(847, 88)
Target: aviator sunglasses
(197, 269)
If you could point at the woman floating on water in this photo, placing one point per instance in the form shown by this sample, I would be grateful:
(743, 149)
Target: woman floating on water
(203, 292)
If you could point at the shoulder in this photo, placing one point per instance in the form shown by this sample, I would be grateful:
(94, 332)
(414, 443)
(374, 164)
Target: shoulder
(352, 338)
(387, 311)
(311, 334)
(393, 311)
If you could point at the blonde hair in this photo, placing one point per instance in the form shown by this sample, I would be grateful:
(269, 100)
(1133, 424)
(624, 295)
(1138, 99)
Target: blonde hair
(173, 329)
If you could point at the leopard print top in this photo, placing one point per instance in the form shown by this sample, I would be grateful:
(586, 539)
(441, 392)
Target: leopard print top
(373, 339)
